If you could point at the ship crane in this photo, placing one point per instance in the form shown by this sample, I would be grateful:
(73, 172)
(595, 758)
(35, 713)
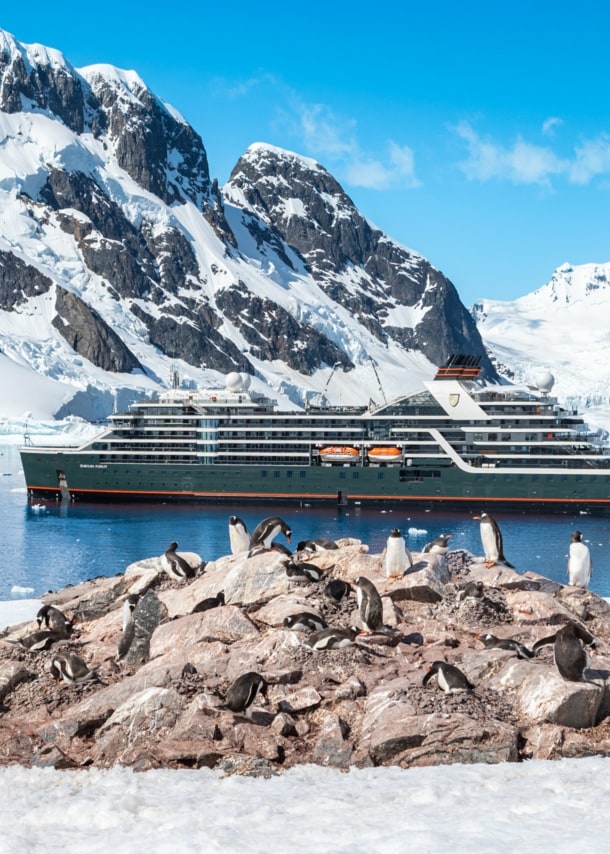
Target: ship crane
(374, 366)
(330, 376)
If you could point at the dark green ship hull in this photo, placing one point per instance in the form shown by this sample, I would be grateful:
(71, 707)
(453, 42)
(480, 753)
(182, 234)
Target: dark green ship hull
(77, 475)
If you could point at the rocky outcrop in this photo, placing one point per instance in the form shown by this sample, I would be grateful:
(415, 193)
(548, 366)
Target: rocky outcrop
(158, 699)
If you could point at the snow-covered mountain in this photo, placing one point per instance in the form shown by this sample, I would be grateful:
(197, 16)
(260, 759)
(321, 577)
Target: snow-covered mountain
(122, 260)
(563, 327)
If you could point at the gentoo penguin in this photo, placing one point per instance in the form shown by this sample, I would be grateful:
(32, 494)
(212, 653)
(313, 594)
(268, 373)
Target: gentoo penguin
(129, 606)
(318, 544)
(69, 667)
(265, 532)
(439, 546)
(569, 653)
(175, 565)
(579, 562)
(583, 634)
(369, 604)
(333, 638)
(448, 677)
(210, 602)
(397, 556)
(244, 691)
(471, 590)
(491, 538)
(239, 538)
(298, 571)
(492, 642)
(38, 641)
(305, 621)
(53, 618)
(337, 590)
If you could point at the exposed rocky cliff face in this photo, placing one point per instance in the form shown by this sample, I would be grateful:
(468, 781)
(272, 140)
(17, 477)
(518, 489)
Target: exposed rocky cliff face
(276, 274)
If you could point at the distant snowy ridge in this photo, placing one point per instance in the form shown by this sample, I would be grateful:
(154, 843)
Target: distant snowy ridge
(563, 327)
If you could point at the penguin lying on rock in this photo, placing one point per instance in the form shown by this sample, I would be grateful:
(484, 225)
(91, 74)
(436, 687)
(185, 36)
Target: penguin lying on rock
(70, 668)
(298, 571)
(439, 546)
(471, 590)
(333, 638)
(492, 642)
(337, 590)
(305, 621)
(448, 677)
(209, 603)
(175, 565)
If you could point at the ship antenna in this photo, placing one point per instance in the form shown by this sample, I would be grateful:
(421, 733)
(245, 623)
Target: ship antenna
(374, 366)
(174, 376)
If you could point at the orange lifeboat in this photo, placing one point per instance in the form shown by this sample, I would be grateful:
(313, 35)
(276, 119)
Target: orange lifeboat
(338, 454)
(385, 455)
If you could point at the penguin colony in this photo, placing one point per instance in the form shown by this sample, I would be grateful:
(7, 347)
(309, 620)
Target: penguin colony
(251, 688)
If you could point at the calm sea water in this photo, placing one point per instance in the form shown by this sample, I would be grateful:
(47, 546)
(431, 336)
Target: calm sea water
(45, 547)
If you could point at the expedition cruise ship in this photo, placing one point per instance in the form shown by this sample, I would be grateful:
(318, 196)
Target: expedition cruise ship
(457, 443)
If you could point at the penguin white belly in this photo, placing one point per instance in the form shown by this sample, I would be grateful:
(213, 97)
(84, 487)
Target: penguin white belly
(490, 544)
(238, 540)
(579, 565)
(442, 681)
(395, 557)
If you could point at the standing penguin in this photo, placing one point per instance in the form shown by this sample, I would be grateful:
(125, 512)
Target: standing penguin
(239, 538)
(491, 538)
(175, 565)
(265, 532)
(397, 556)
(243, 692)
(569, 653)
(129, 606)
(448, 677)
(369, 604)
(579, 562)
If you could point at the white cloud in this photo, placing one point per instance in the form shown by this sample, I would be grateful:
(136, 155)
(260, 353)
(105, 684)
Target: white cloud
(548, 126)
(521, 163)
(331, 138)
(592, 159)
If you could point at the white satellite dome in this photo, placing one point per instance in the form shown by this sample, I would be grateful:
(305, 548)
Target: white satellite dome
(234, 381)
(544, 381)
(246, 379)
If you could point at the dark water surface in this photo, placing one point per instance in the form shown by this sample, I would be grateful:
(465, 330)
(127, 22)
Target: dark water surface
(46, 546)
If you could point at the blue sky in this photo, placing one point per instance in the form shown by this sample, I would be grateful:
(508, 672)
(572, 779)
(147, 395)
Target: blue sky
(476, 133)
